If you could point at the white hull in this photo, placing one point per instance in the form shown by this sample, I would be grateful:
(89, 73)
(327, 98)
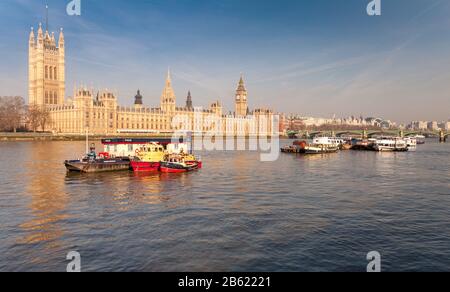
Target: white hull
(320, 149)
(391, 145)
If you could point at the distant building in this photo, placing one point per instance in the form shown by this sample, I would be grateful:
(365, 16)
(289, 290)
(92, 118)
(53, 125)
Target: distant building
(433, 126)
(418, 125)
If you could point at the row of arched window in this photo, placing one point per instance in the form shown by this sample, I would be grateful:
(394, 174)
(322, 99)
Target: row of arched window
(51, 73)
(51, 97)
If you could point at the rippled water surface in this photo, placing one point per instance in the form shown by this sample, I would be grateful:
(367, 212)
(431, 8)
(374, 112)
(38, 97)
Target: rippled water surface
(299, 213)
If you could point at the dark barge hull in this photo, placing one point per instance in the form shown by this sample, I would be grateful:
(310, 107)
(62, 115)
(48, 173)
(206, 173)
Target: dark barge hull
(97, 166)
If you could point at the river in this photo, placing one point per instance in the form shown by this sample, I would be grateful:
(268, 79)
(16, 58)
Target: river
(298, 213)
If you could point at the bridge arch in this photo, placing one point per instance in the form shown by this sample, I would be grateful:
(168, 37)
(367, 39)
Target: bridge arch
(384, 133)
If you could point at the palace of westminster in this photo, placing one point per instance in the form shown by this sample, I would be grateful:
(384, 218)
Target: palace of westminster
(99, 112)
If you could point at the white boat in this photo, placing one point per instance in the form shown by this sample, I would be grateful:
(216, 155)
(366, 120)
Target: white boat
(396, 144)
(321, 145)
(321, 149)
(328, 141)
(411, 143)
(420, 139)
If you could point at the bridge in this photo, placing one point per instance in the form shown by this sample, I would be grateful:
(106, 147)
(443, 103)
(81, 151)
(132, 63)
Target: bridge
(442, 135)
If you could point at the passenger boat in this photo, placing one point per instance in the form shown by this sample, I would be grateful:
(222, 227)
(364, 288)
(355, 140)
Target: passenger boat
(179, 164)
(321, 149)
(391, 145)
(148, 158)
(328, 141)
(420, 139)
(323, 145)
(411, 143)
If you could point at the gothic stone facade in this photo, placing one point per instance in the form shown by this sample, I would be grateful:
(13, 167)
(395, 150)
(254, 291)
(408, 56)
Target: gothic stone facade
(100, 113)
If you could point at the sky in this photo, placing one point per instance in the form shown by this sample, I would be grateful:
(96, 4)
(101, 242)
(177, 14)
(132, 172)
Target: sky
(312, 57)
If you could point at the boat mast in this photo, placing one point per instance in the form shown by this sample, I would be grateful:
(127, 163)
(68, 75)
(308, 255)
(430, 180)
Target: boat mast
(87, 140)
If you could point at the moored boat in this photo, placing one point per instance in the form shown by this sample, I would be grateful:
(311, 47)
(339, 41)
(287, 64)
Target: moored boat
(296, 147)
(97, 165)
(321, 149)
(148, 158)
(179, 164)
(388, 144)
(92, 163)
(420, 139)
(411, 143)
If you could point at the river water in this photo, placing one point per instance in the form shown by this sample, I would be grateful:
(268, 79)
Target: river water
(299, 213)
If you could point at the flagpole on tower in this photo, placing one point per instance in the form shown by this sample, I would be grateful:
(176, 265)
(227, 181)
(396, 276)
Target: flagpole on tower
(46, 17)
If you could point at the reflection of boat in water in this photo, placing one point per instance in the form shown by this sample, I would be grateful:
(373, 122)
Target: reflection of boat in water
(391, 145)
(179, 164)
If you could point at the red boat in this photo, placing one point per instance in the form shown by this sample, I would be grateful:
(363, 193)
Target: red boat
(148, 157)
(145, 166)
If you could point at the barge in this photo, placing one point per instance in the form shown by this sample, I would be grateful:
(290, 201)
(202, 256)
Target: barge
(97, 165)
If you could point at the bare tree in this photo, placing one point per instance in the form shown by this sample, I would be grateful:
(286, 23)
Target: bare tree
(12, 112)
(3, 117)
(44, 118)
(33, 117)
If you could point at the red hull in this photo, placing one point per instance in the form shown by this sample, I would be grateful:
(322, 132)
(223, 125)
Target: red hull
(200, 164)
(140, 166)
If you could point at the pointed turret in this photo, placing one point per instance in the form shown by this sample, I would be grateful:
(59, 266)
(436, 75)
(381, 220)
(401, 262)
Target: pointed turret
(61, 39)
(53, 40)
(241, 87)
(138, 98)
(189, 105)
(168, 98)
(168, 79)
(32, 39)
(40, 32)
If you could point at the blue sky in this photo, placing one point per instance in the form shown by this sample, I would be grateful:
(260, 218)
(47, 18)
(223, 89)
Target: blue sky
(313, 57)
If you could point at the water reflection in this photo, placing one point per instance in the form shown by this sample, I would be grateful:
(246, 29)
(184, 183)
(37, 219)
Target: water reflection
(48, 198)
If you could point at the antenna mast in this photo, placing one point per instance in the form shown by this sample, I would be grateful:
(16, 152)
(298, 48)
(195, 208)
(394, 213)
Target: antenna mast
(46, 17)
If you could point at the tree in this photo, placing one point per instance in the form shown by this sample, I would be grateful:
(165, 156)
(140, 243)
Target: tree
(44, 118)
(12, 113)
(33, 116)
